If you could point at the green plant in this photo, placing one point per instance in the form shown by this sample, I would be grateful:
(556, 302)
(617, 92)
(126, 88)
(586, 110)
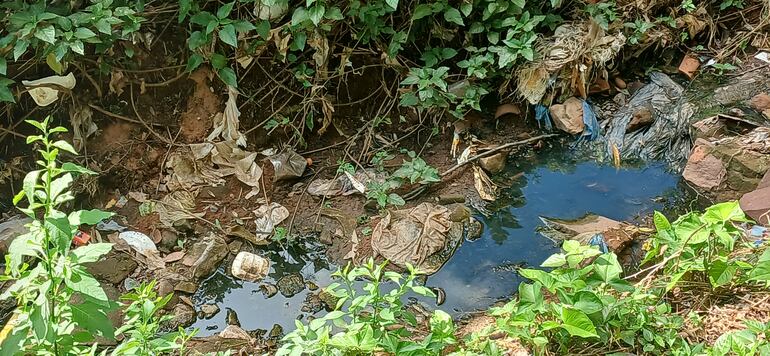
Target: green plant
(413, 171)
(431, 91)
(604, 13)
(721, 68)
(639, 27)
(698, 244)
(416, 171)
(61, 307)
(373, 321)
(731, 3)
(749, 341)
(56, 35)
(141, 325)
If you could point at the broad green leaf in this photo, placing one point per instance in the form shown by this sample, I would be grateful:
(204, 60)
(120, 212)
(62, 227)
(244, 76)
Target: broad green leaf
(13, 342)
(83, 33)
(722, 212)
(46, 34)
(661, 223)
(263, 29)
(29, 184)
(227, 35)
(74, 168)
(453, 15)
(588, 302)
(466, 8)
(721, 272)
(316, 13)
(19, 49)
(77, 47)
(554, 261)
(224, 11)
(537, 275)
(243, 26)
(5, 93)
(607, 267)
(84, 284)
(91, 252)
(88, 217)
(421, 11)
(519, 3)
(194, 62)
(531, 293)
(392, 3)
(92, 316)
(59, 185)
(3, 66)
(203, 18)
(761, 271)
(24, 245)
(228, 76)
(692, 230)
(577, 323)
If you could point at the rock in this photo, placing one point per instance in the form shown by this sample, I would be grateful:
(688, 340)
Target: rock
(641, 117)
(10, 229)
(459, 213)
(232, 317)
(765, 182)
(276, 331)
(168, 240)
(208, 311)
(330, 301)
(268, 290)
(495, 163)
(760, 102)
(325, 237)
(703, 169)
(291, 284)
(568, 117)
(312, 304)
(183, 316)
(235, 246)
(186, 287)
(588, 224)
(311, 286)
(250, 267)
(689, 66)
(756, 204)
(205, 255)
(112, 268)
(474, 230)
(165, 287)
(234, 332)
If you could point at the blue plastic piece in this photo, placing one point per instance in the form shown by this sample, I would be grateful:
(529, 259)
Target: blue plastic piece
(758, 231)
(591, 130)
(598, 240)
(543, 116)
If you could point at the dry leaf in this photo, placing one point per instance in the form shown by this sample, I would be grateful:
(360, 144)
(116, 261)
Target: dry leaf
(118, 81)
(173, 257)
(356, 184)
(82, 125)
(483, 184)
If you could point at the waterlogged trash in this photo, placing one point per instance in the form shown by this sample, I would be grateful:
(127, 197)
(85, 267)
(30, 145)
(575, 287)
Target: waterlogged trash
(250, 267)
(110, 226)
(598, 241)
(411, 235)
(226, 123)
(43, 91)
(288, 165)
(139, 242)
(507, 109)
(543, 117)
(591, 125)
(177, 206)
(268, 217)
(343, 185)
(484, 186)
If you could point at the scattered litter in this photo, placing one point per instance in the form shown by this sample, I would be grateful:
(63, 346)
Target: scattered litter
(250, 267)
(667, 138)
(494, 163)
(43, 90)
(81, 238)
(177, 206)
(591, 125)
(139, 242)
(82, 125)
(110, 226)
(268, 217)
(205, 255)
(484, 185)
(563, 64)
(199, 169)
(689, 66)
(130, 284)
(411, 235)
(543, 117)
(343, 185)
(138, 196)
(287, 165)
(763, 56)
(356, 184)
(226, 123)
(242, 232)
(598, 241)
(122, 201)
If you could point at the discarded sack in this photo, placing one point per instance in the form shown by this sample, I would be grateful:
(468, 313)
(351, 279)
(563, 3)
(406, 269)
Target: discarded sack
(250, 267)
(288, 165)
(411, 235)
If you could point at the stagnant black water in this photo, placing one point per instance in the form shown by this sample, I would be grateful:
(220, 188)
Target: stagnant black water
(554, 183)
